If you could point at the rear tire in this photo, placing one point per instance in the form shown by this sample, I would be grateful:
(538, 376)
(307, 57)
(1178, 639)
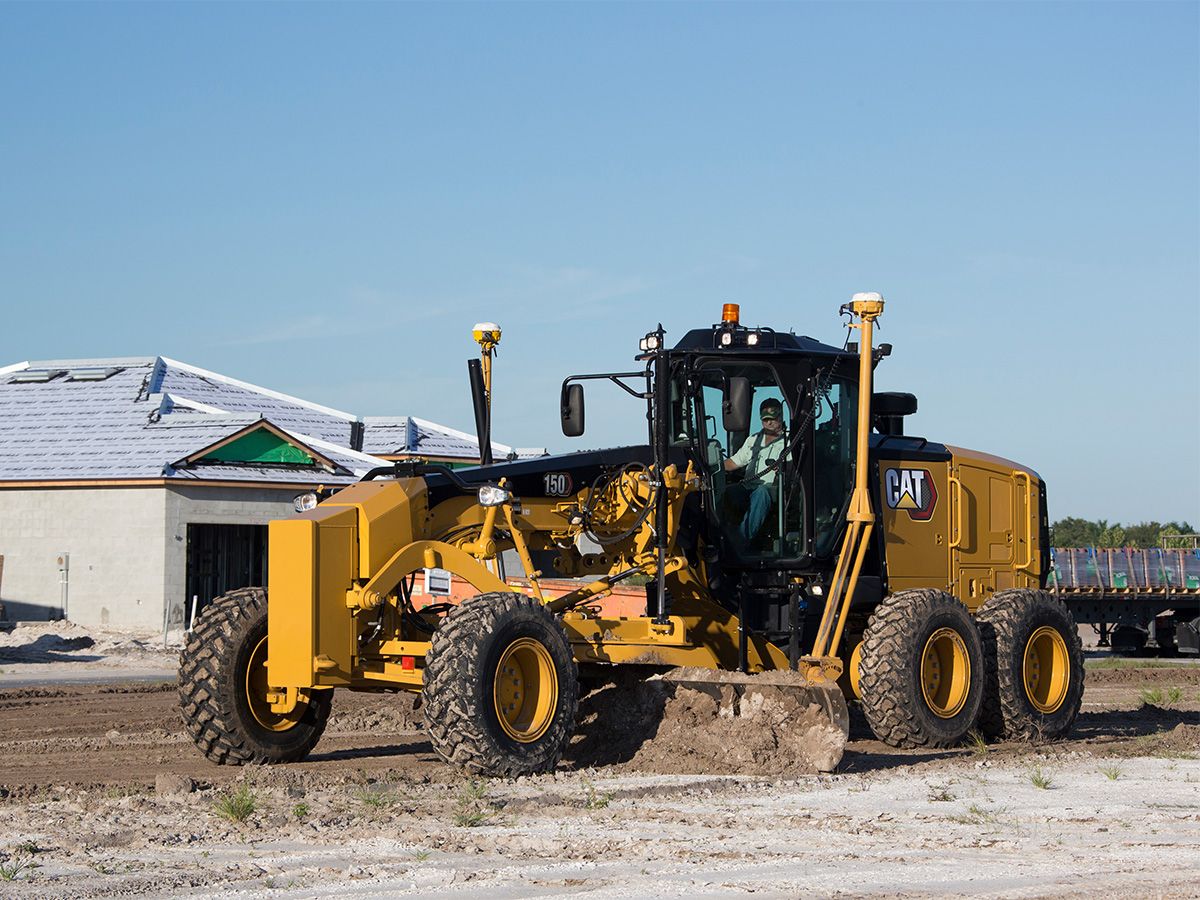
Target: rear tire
(501, 688)
(223, 657)
(1034, 664)
(921, 670)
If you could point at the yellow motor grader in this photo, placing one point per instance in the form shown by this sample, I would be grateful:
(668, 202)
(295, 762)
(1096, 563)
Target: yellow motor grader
(819, 546)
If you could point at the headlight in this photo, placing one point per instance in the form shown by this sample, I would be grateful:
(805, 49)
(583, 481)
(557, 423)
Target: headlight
(305, 502)
(490, 495)
(649, 342)
(726, 338)
(752, 340)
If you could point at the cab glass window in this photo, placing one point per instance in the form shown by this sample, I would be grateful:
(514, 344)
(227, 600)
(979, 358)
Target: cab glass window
(757, 496)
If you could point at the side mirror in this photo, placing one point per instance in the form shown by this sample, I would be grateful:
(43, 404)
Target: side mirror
(571, 410)
(735, 409)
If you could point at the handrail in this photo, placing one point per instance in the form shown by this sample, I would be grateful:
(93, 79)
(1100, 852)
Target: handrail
(956, 515)
(1018, 476)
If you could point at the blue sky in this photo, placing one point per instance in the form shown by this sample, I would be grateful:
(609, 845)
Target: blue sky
(324, 199)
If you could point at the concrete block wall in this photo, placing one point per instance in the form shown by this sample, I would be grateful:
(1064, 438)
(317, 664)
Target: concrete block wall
(115, 541)
(126, 546)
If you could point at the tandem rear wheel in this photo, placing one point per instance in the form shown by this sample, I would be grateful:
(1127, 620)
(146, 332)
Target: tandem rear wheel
(501, 687)
(921, 670)
(223, 687)
(1033, 661)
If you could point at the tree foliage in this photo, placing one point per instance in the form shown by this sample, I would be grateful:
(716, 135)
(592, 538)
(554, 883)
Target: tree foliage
(1073, 532)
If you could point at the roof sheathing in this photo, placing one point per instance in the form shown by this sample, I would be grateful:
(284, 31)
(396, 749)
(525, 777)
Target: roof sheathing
(126, 427)
(156, 410)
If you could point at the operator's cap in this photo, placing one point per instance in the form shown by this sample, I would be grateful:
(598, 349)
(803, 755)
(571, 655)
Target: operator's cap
(770, 409)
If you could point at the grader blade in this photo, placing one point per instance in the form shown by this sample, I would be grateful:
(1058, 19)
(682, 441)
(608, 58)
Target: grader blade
(813, 716)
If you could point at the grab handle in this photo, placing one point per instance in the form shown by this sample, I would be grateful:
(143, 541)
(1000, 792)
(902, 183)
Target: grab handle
(1024, 476)
(956, 514)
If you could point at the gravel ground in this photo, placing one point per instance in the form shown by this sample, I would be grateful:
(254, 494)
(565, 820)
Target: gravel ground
(101, 794)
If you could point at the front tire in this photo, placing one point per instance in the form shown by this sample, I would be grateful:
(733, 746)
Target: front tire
(222, 688)
(501, 687)
(921, 670)
(1034, 664)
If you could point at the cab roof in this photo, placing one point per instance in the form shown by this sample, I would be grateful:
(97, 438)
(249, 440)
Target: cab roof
(769, 342)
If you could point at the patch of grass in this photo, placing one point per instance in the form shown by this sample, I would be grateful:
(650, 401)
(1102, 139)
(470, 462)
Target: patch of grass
(471, 807)
(473, 789)
(594, 799)
(940, 793)
(30, 848)
(421, 855)
(471, 817)
(300, 811)
(977, 742)
(1123, 662)
(1168, 753)
(1040, 779)
(1112, 773)
(1174, 695)
(236, 806)
(11, 868)
(977, 815)
(1151, 696)
(374, 800)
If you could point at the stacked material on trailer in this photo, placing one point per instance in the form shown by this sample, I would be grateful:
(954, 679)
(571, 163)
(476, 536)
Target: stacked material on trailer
(1114, 569)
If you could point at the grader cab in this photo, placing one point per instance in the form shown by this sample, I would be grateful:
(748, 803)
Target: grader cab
(786, 527)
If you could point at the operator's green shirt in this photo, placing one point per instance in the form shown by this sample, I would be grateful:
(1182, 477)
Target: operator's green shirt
(755, 455)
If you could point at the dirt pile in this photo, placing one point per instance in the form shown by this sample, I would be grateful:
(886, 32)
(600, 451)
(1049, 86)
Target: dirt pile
(62, 641)
(662, 727)
(1184, 738)
(385, 714)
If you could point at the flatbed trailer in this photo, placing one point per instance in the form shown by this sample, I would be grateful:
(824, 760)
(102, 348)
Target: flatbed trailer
(1136, 600)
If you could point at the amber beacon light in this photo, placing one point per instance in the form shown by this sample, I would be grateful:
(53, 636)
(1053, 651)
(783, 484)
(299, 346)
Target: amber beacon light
(729, 313)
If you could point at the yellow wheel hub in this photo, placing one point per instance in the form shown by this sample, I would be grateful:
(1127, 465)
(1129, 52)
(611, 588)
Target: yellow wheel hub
(945, 673)
(855, 660)
(256, 694)
(525, 692)
(1046, 670)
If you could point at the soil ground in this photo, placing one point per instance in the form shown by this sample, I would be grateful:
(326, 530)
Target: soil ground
(102, 794)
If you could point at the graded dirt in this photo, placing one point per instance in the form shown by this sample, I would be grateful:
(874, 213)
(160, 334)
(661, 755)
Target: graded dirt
(373, 811)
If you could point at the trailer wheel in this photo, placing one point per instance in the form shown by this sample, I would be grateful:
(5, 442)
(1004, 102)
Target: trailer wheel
(921, 670)
(501, 687)
(1034, 664)
(223, 684)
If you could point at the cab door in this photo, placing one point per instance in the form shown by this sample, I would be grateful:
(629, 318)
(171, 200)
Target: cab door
(993, 542)
(778, 532)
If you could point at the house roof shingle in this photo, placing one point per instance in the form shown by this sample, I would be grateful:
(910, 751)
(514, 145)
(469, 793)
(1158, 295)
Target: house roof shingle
(134, 418)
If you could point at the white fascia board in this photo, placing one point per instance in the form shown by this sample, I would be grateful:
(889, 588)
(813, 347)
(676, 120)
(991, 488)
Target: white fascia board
(204, 373)
(15, 367)
(176, 400)
(318, 444)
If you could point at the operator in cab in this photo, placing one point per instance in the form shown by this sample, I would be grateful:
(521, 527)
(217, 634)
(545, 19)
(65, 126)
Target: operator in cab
(758, 456)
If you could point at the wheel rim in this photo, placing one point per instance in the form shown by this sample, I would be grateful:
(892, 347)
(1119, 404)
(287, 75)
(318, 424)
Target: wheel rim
(1047, 669)
(525, 691)
(945, 673)
(256, 694)
(855, 678)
